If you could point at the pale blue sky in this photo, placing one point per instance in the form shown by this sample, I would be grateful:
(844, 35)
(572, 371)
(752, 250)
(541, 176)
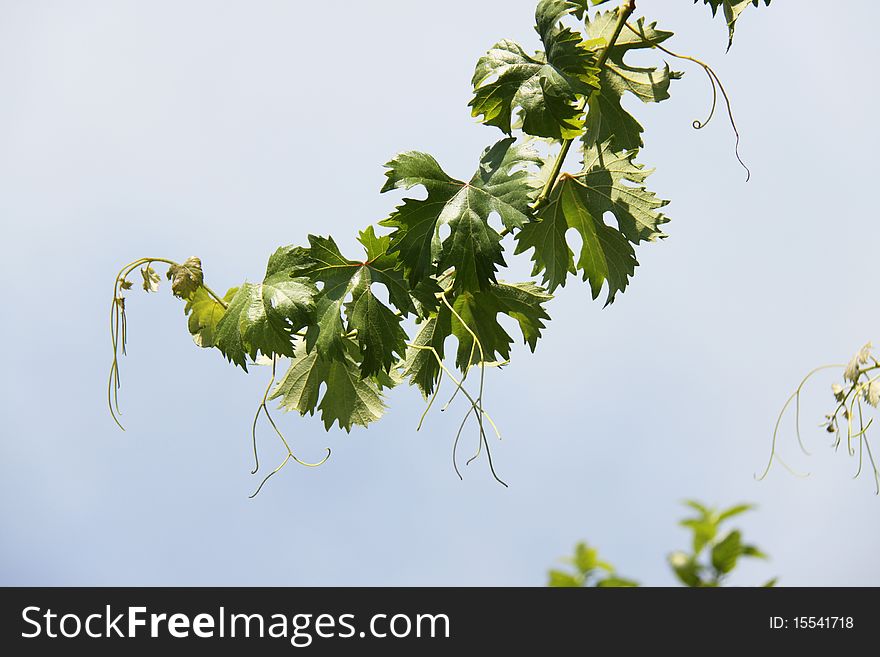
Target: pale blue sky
(225, 129)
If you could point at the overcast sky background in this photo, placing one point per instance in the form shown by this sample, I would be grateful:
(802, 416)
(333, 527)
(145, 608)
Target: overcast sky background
(226, 129)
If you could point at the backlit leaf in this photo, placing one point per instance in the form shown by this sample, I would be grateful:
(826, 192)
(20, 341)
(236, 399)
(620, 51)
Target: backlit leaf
(607, 120)
(349, 399)
(204, 313)
(262, 317)
(472, 248)
(546, 89)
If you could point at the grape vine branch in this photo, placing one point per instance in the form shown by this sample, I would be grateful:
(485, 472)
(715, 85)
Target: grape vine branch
(439, 262)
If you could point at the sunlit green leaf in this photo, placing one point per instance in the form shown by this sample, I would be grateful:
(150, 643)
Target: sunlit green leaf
(205, 312)
(610, 182)
(473, 247)
(421, 365)
(347, 285)
(546, 89)
(607, 120)
(348, 398)
(476, 315)
(262, 317)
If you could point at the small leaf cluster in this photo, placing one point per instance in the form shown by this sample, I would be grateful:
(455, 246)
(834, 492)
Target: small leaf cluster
(714, 552)
(587, 569)
(712, 557)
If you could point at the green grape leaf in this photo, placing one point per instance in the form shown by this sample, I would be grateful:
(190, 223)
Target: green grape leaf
(421, 366)
(477, 312)
(609, 182)
(583, 7)
(524, 302)
(262, 317)
(473, 247)
(384, 268)
(349, 399)
(732, 10)
(606, 255)
(606, 117)
(613, 182)
(375, 246)
(424, 296)
(379, 332)
(205, 312)
(547, 89)
(347, 286)
(185, 278)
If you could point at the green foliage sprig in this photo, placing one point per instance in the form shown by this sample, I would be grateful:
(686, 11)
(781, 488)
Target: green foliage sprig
(440, 259)
(714, 554)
